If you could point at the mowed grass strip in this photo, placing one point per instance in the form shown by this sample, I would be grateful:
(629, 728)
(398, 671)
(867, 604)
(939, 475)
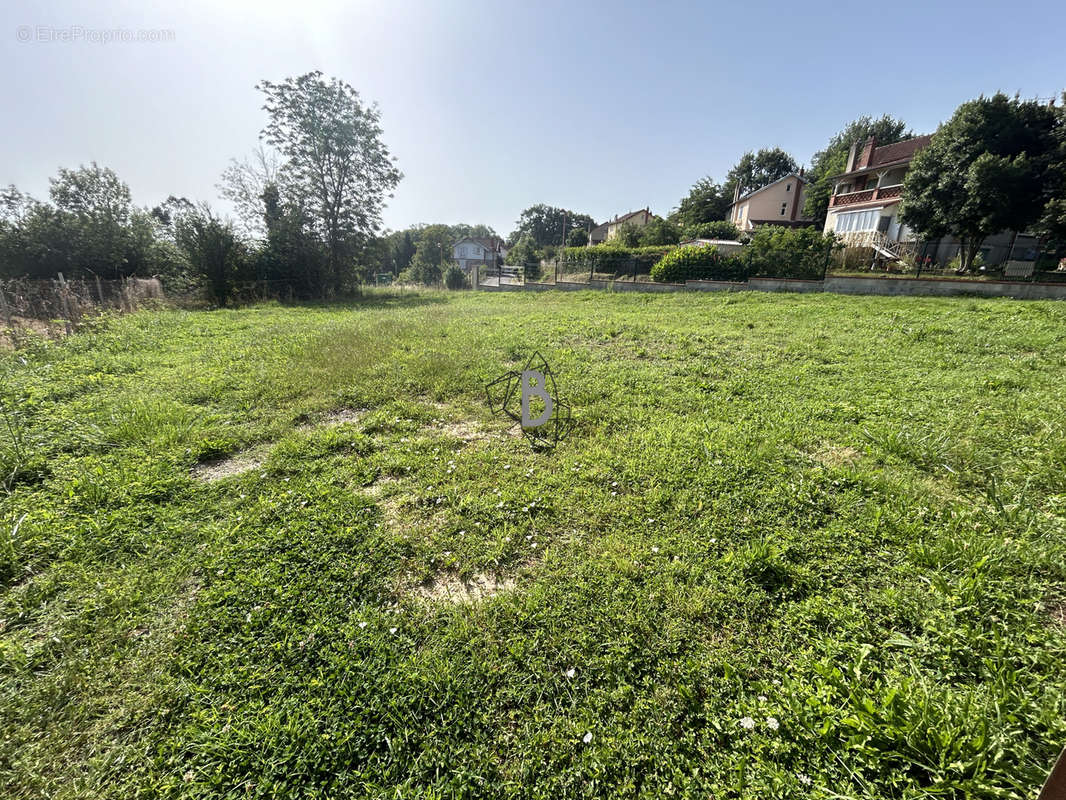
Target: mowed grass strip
(795, 546)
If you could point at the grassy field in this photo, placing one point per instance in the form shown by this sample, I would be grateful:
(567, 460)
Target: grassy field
(796, 546)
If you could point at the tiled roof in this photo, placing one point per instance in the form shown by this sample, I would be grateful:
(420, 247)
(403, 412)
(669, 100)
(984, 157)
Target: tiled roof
(900, 151)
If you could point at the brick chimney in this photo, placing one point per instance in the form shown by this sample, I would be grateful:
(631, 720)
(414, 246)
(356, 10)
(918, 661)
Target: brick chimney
(867, 153)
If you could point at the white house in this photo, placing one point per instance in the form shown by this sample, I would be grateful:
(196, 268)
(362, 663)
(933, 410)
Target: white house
(478, 251)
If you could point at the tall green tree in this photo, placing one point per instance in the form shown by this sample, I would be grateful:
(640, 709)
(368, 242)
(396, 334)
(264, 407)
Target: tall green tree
(548, 225)
(987, 169)
(433, 254)
(831, 161)
(659, 232)
(213, 248)
(755, 170)
(335, 161)
(94, 208)
(706, 201)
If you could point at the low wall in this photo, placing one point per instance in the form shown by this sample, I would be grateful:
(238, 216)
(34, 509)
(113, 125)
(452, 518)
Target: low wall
(837, 285)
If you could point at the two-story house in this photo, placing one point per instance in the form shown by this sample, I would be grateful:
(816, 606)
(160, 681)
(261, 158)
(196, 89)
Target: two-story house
(777, 203)
(864, 209)
(480, 251)
(864, 205)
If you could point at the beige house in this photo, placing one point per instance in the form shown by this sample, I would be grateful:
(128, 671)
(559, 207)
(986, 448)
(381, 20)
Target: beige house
(778, 203)
(637, 219)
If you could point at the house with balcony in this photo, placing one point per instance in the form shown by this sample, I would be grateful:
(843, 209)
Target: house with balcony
(864, 205)
(777, 203)
(864, 209)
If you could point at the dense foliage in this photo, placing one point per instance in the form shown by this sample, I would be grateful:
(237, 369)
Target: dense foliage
(694, 262)
(547, 225)
(778, 252)
(718, 229)
(993, 166)
(611, 257)
(827, 164)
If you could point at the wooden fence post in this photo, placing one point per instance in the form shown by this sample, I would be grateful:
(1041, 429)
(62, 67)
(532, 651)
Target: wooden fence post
(99, 290)
(65, 303)
(6, 310)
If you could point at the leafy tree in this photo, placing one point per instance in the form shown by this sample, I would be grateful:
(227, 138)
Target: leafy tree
(986, 170)
(243, 184)
(719, 229)
(627, 234)
(523, 252)
(545, 224)
(463, 230)
(707, 201)
(291, 256)
(658, 232)
(336, 164)
(778, 252)
(454, 278)
(578, 237)
(755, 170)
(830, 162)
(213, 248)
(432, 254)
(94, 209)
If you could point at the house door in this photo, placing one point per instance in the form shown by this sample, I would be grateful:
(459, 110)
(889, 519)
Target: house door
(883, 223)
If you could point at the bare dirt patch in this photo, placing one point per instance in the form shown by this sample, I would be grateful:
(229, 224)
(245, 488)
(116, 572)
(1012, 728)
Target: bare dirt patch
(1057, 610)
(217, 469)
(467, 431)
(448, 587)
(340, 416)
(377, 487)
(836, 456)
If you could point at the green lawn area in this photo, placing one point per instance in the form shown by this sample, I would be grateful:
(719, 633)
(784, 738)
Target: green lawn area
(795, 546)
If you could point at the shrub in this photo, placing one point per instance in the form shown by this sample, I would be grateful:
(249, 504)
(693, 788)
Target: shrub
(693, 263)
(455, 278)
(778, 252)
(718, 229)
(614, 258)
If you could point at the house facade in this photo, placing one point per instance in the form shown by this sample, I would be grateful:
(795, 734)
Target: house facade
(637, 219)
(778, 203)
(471, 251)
(864, 209)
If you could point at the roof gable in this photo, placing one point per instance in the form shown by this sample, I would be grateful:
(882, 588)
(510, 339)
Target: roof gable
(795, 175)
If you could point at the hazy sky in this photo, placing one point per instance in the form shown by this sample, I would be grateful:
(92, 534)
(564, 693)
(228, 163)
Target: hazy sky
(492, 106)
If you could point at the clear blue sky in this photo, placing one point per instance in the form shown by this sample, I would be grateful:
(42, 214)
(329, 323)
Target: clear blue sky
(493, 106)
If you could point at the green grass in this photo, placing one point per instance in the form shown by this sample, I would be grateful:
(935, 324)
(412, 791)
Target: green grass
(846, 514)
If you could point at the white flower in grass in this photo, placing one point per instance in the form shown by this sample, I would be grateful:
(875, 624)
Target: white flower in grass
(587, 738)
(747, 723)
(803, 778)
(655, 549)
(362, 624)
(393, 630)
(762, 698)
(571, 672)
(772, 723)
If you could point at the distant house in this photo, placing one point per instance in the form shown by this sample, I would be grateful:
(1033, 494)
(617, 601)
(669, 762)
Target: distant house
(598, 235)
(864, 209)
(638, 219)
(778, 203)
(478, 250)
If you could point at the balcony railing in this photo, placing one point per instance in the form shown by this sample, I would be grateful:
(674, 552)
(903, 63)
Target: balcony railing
(865, 195)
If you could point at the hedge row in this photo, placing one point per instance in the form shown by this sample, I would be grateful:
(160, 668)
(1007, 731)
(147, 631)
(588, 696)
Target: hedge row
(615, 258)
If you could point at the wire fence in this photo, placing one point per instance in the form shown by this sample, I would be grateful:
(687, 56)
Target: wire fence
(59, 305)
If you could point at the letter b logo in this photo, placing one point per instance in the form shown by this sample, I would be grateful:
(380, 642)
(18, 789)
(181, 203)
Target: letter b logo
(533, 386)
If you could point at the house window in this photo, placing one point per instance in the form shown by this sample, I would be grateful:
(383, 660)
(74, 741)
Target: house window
(783, 205)
(788, 187)
(857, 221)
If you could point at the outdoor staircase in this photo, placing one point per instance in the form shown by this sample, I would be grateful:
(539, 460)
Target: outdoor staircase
(891, 250)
